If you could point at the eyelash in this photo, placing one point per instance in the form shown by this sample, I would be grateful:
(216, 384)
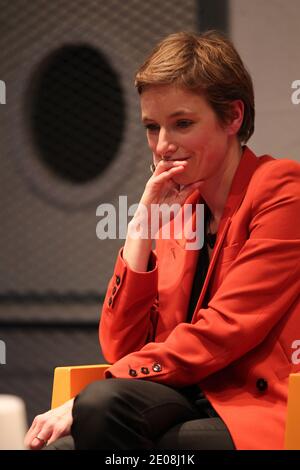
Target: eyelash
(182, 124)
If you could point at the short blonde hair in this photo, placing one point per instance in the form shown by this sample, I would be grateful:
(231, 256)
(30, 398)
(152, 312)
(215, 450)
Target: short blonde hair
(207, 63)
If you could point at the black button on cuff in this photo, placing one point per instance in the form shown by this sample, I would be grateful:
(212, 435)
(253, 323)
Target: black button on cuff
(110, 301)
(261, 385)
(132, 372)
(156, 367)
(145, 370)
(114, 290)
(118, 279)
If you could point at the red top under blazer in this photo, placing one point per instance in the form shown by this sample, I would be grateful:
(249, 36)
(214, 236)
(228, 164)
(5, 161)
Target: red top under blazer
(239, 349)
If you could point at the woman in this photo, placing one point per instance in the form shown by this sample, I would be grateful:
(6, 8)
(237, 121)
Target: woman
(200, 340)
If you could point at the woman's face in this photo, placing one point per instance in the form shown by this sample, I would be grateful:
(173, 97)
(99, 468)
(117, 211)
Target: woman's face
(181, 125)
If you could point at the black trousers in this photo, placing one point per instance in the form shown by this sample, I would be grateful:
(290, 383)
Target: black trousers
(139, 414)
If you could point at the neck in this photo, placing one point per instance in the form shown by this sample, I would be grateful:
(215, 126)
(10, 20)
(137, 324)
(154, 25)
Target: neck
(216, 200)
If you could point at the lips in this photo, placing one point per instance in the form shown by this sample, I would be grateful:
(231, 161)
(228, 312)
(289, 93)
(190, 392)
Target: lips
(179, 159)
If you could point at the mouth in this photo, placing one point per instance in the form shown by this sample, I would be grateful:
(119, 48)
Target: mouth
(179, 159)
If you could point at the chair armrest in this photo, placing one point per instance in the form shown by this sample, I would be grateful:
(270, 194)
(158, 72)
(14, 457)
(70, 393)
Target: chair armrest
(292, 430)
(69, 381)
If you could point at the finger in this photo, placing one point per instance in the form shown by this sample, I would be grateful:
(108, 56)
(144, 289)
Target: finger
(32, 431)
(164, 165)
(56, 435)
(37, 436)
(36, 444)
(168, 174)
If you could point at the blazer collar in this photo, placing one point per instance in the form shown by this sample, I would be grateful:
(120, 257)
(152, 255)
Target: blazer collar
(239, 185)
(240, 182)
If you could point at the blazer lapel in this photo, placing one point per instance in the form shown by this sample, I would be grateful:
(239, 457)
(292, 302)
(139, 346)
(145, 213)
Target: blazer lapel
(241, 179)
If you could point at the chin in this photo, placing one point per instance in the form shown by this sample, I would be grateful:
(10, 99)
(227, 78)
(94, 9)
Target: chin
(184, 180)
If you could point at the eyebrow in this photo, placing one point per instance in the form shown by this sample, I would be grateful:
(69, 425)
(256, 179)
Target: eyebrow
(180, 112)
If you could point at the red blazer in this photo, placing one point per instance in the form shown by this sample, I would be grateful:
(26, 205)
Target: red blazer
(239, 349)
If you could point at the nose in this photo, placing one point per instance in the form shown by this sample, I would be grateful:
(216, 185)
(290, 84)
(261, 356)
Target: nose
(165, 147)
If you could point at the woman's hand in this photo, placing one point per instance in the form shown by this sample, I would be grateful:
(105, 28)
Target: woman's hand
(50, 426)
(148, 219)
(161, 187)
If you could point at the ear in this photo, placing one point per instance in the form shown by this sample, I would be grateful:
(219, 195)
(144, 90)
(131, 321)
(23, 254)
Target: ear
(237, 116)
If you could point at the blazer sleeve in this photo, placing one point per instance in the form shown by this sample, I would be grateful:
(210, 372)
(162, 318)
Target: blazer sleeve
(129, 311)
(258, 290)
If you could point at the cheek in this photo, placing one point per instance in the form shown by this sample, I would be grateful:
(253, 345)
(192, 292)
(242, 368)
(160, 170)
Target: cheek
(208, 141)
(196, 139)
(151, 142)
(152, 146)
(194, 145)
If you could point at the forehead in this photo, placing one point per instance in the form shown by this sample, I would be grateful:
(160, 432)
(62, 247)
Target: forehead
(170, 99)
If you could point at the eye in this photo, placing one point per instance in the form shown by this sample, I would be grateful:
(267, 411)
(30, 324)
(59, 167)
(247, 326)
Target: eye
(184, 123)
(152, 127)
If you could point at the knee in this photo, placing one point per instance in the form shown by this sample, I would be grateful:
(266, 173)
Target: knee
(94, 413)
(98, 399)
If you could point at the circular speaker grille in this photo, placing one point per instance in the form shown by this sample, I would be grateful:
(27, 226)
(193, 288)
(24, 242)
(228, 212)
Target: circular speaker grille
(77, 113)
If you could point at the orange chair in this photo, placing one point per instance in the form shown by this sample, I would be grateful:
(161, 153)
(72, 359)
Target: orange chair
(292, 429)
(69, 381)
